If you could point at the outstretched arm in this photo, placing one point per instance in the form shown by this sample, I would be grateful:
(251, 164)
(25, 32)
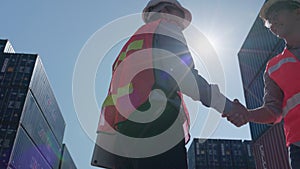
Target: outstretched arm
(239, 115)
(177, 61)
(270, 112)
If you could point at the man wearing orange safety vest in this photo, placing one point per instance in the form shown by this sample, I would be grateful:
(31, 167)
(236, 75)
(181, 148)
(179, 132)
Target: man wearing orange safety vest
(144, 102)
(281, 77)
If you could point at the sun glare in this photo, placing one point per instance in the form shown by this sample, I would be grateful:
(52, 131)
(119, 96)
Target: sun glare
(214, 40)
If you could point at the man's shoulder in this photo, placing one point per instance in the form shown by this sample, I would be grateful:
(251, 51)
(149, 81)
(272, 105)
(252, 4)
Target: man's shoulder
(276, 58)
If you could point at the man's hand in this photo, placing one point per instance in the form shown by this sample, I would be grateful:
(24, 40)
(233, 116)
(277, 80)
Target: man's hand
(238, 114)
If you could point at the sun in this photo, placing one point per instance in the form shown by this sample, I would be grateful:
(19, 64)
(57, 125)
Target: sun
(214, 40)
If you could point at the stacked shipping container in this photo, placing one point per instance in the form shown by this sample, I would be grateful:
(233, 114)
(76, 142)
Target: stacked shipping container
(271, 142)
(227, 159)
(248, 145)
(66, 159)
(220, 154)
(20, 85)
(37, 128)
(25, 154)
(31, 124)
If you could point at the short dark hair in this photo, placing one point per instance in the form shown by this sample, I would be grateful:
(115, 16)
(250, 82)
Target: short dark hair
(290, 5)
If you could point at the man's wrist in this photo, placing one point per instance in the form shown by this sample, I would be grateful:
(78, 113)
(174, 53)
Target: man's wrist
(249, 116)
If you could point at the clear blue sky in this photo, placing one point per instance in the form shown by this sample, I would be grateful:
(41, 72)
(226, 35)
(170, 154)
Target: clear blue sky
(58, 31)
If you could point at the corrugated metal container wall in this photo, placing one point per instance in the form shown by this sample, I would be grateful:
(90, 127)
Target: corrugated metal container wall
(16, 69)
(66, 160)
(7, 139)
(213, 153)
(191, 156)
(25, 154)
(43, 130)
(256, 51)
(11, 105)
(23, 70)
(270, 151)
(259, 46)
(201, 154)
(16, 76)
(226, 158)
(220, 154)
(249, 154)
(238, 154)
(39, 131)
(43, 93)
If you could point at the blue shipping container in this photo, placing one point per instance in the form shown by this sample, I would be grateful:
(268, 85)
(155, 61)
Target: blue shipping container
(26, 70)
(67, 161)
(16, 69)
(25, 154)
(44, 95)
(7, 139)
(39, 131)
(220, 154)
(11, 105)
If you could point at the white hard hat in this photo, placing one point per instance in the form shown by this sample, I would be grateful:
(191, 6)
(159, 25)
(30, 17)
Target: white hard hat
(270, 3)
(152, 3)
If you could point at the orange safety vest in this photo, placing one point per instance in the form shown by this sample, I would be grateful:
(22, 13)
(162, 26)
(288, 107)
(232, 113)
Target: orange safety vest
(123, 86)
(284, 70)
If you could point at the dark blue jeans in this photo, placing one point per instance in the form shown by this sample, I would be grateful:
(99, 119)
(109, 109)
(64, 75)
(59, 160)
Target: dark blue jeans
(294, 156)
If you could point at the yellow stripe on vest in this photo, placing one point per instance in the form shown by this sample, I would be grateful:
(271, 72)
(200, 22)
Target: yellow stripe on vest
(135, 45)
(110, 100)
(125, 90)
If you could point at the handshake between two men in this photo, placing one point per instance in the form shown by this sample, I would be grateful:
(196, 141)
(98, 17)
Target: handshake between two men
(239, 114)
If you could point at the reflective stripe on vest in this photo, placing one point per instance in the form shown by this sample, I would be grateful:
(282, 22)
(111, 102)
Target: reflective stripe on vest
(291, 103)
(127, 89)
(280, 63)
(135, 45)
(122, 91)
